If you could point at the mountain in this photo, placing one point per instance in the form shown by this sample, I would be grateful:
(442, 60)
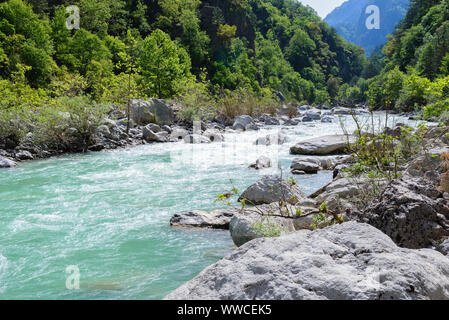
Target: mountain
(350, 21)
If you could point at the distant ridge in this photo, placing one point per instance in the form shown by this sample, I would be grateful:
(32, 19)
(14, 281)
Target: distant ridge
(349, 21)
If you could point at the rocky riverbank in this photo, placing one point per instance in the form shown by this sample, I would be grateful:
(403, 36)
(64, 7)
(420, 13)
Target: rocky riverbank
(347, 250)
(156, 121)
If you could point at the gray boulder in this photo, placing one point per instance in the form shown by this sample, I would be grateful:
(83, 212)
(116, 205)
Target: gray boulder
(217, 219)
(151, 136)
(351, 261)
(261, 163)
(152, 111)
(24, 155)
(305, 166)
(243, 123)
(444, 247)
(6, 163)
(213, 135)
(411, 211)
(325, 145)
(271, 121)
(196, 139)
(178, 134)
(327, 119)
(154, 127)
(341, 111)
(271, 139)
(244, 227)
(313, 114)
(271, 189)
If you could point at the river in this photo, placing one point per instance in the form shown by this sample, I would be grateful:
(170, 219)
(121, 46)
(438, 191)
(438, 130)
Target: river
(107, 214)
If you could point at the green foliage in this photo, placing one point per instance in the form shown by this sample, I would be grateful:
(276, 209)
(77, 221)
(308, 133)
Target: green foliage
(25, 39)
(267, 229)
(419, 49)
(163, 64)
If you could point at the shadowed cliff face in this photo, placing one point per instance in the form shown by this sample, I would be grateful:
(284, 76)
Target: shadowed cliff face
(350, 21)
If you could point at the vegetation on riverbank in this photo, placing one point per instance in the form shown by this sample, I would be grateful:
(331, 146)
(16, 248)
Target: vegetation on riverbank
(415, 75)
(212, 57)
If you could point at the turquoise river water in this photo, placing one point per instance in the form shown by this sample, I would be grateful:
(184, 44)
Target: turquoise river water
(108, 214)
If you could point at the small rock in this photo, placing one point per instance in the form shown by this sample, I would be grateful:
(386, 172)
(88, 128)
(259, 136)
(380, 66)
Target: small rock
(306, 166)
(24, 155)
(6, 163)
(261, 163)
(196, 139)
(217, 219)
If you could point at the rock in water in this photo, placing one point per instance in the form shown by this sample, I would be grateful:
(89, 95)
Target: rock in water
(261, 163)
(243, 123)
(351, 261)
(304, 165)
(196, 139)
(151, 136)
(323, 145)
(411, 211)
(6, 163)
(270, 189)
(217, 219)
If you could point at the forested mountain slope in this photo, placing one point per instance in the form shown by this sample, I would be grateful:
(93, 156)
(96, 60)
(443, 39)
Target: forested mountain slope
(416, 74)
(236, 44)
(350, 21)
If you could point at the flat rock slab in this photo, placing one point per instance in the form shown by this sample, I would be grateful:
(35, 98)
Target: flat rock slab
(350, 261)
(217, 219)
(326, 145)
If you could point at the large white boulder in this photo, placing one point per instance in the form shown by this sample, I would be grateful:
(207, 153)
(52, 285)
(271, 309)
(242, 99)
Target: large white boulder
(351, 261)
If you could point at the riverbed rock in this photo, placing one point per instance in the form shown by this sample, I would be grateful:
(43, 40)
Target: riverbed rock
(271, 121)
(213, 135)
(313, 114)
(6, 163)
(327, 119)
(308, 167)
(152, 111)
(247, 226)
(217, 219)
(243, 123)
(270, 189)
(271, 139)
(154, 127)
(24, 155)
(326, 145)
(151, 136)
(261, 163)
(351, 261)
(341, 111)
(196, 139)
(426, 162)
(178, 134)
(411, 211)
(444, 247)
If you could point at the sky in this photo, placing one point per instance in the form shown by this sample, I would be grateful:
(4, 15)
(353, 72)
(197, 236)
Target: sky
(323, 7)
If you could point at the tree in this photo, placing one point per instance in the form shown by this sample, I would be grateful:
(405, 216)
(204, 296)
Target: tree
(26, 39)
(87, 47)
(163, 64)
(128, 59)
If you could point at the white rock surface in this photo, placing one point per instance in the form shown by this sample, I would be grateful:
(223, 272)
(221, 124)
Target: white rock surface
(347, 261)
